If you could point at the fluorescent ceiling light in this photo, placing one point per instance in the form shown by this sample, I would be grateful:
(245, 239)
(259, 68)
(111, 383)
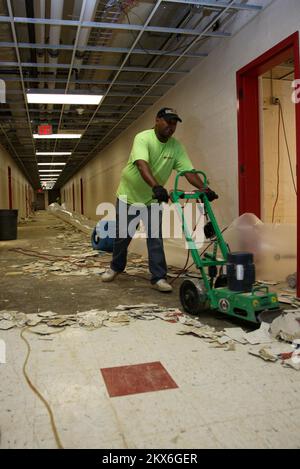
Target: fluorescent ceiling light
(51, 164)
(53, 153)
(62, 98)
(57, 136)
(50, 170)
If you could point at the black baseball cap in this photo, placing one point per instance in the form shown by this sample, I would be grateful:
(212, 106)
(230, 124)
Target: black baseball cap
(168, 113)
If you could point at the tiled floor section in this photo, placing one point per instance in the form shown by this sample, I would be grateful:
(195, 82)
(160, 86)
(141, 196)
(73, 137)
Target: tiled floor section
(136, 379)
(223, 399)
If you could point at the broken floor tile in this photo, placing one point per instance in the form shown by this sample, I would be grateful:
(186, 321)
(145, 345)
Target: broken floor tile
(235, 333)
(230, 347)
(293, 362)
(119, 318)
(43, 329)
(170, 316)
(281, 348)
(56, 322)
(14, 273)
(86, 254)
(33, 319)
(6, 324)
(264, 352)
(205, 332)
(190, 321)
(139, 306)
(8, 315)
(224, 340)
(267, 282)
(46, 314)
(92, 319)
(96, 270)
(260, 336)
(20, 319)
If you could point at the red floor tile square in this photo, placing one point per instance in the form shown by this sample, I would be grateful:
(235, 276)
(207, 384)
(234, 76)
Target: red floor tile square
(135, 379)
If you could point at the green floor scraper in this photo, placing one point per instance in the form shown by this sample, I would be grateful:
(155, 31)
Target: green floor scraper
(227, 282)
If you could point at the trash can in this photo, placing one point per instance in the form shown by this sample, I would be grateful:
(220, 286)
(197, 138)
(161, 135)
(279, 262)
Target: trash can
(8, 224)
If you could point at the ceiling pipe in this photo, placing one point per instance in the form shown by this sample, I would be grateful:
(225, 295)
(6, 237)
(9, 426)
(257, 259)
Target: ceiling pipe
(31, 30)
(84, 35)
(40, 8)
(57, 7)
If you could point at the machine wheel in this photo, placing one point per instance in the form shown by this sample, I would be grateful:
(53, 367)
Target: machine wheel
(193, 296)
(95, 240)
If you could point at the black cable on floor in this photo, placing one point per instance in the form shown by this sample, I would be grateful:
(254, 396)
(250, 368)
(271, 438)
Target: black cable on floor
(36, 391)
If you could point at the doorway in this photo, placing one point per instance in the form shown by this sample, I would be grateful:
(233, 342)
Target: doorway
(81, 196)
(278, 145)
(40, 201)
(73, 196)
(9, 183)
(54, 196)
(253, 186)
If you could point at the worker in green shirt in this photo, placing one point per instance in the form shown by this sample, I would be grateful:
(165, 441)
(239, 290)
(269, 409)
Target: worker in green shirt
(155, 153)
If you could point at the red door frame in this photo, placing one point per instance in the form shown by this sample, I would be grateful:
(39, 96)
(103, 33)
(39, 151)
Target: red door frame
(249, 128)
(9, 188)
(81, 195)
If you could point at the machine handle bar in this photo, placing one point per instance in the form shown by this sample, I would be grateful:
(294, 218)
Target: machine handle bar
(193, 171)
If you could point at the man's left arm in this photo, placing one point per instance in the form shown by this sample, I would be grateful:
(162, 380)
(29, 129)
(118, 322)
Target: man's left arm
(195, 180)
(182, 162)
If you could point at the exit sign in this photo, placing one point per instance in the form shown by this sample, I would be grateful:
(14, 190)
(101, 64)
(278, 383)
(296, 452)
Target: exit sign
(45, 129)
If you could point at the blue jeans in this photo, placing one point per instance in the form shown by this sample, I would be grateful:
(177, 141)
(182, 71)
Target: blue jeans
(128, 218)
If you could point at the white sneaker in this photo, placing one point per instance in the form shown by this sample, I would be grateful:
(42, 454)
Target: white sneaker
(109, 275)
(163, 286)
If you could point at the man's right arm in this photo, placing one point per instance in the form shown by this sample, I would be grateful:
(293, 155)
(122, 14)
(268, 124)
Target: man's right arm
(159, 192)
(146, 173)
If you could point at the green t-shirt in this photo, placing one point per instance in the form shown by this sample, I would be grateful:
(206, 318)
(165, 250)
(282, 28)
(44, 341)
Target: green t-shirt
(162, 159)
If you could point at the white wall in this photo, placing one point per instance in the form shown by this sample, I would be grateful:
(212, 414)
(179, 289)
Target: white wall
(22, 192)
(206, 100)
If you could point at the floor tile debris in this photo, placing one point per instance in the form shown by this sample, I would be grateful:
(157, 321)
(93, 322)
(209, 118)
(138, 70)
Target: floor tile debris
(76, 326)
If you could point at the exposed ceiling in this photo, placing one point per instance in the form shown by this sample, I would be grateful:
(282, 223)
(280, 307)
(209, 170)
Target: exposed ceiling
(130, 51)
(284, 71)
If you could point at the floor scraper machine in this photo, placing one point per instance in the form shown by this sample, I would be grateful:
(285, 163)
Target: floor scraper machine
(227, 282)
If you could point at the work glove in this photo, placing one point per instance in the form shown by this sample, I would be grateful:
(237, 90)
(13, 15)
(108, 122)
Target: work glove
(211, 195)
(160, 193)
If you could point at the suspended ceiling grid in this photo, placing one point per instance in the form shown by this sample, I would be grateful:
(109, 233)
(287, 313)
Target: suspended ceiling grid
(130, 51)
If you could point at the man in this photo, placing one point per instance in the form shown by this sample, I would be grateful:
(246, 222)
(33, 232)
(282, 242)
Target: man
(155, 153)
